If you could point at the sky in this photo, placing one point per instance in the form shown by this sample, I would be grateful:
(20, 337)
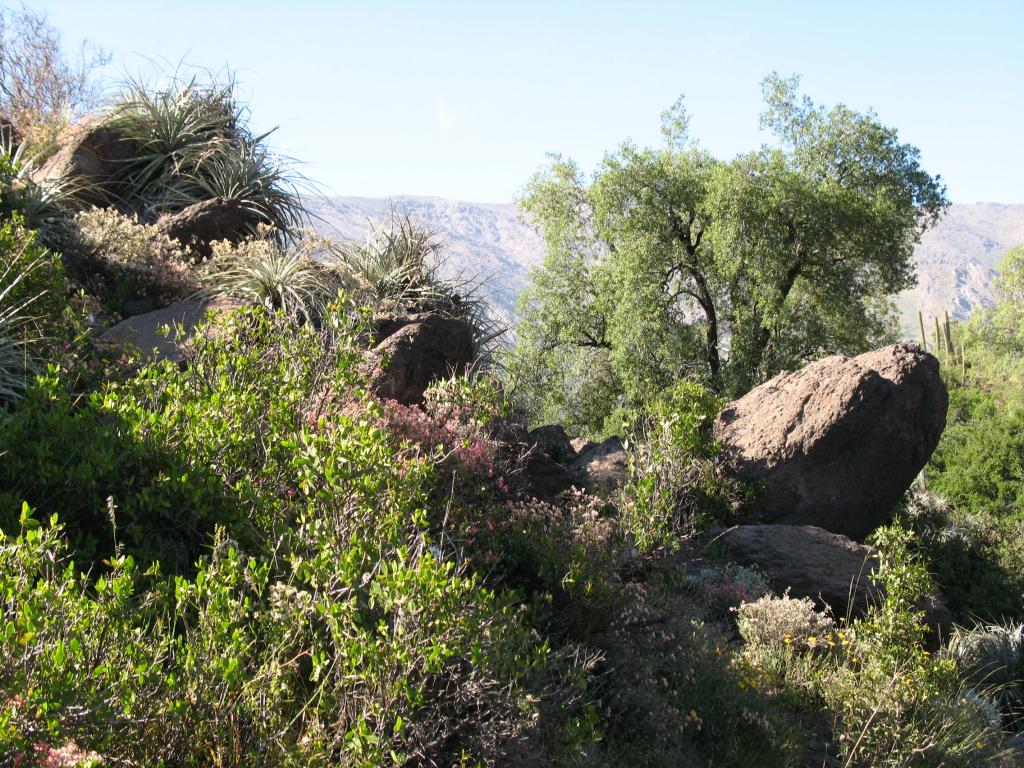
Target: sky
(465, 99)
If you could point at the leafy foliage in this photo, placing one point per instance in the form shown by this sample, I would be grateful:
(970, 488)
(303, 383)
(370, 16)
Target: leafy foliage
(671, 264)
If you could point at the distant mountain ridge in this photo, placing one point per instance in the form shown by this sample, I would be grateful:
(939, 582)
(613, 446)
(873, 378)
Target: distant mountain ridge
(489, 243)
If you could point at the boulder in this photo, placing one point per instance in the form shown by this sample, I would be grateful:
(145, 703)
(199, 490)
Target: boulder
(552, 440)
(90, 153)
(417, 351)
(143, 332)
(809, 561)
(829, 568)
(601, 468)
(545, 477)
(201, 224)
(837, 443)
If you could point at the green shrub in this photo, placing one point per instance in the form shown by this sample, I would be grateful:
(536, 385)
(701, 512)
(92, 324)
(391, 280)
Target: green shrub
(323, 626)
(975, 557)
(672, 488)
(890, 701)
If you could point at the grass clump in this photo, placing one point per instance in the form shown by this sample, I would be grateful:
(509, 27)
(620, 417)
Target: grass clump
(192, 142)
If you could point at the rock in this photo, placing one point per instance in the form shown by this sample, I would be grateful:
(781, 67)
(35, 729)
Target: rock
(552, 440)
(90, 153)
(546, 477)
(201, 224)
(827, 567)
(419, 350)
(809, 561)
(838, 443)
(601, 468)
(581, 444)
(142, 332)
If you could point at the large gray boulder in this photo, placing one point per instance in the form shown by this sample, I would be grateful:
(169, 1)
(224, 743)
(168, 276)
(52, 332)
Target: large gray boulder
(414, 351)
(837, 443)
(144, 333)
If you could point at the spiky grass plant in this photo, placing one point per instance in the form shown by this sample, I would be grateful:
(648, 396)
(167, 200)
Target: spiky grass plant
(991, 659)
(44, 205)
(262, 271)
(16, 333)
(397, 268)
(192, 144)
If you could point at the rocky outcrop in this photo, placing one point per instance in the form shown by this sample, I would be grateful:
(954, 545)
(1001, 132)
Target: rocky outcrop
(203, 223)
(554, 465)
(837, 443)
(144, 332)
(809, 561)
(829, 568)
(601, 468)
(414, 351)
(90, 153)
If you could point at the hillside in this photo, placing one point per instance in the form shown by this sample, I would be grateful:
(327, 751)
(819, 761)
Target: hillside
(484, 243)
(489, 243)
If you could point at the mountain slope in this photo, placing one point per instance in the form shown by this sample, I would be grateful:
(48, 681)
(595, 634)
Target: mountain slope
(488, 243)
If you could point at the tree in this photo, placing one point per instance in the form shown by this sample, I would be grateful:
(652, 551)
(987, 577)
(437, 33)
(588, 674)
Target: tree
(670, 263)
(40, 88)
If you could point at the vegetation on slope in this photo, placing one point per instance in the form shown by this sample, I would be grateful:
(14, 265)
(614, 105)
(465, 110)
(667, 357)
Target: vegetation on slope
(248, 558)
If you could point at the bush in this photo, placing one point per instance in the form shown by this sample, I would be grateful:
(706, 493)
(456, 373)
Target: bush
(891, 701)
(320, 625)
(129, 266)
(673, 488)
(975, 557)
(775, 622)
(991, 660)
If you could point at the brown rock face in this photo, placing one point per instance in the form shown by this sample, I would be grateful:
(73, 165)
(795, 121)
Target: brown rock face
(89, 152)
(418, 350)
(809, 561)
(205, 222)
(601, 468)
(838, 443)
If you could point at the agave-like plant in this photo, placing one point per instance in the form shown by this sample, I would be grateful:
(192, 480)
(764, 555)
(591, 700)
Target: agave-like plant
(44, 205)
(397, 267)
(16, 333)
(991, 659)
(262, 271)
(191, 143)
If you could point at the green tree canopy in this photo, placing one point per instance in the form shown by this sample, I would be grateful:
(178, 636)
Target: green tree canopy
(669, 263)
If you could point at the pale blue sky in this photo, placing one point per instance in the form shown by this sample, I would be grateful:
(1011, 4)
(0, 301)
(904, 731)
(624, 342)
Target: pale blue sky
(463, 99)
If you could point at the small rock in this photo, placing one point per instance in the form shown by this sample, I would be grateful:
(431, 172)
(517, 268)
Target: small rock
(419, 350)
(552, 440)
